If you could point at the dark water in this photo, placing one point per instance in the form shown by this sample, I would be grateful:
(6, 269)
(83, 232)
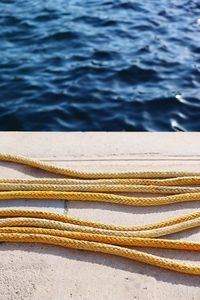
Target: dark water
(100, 65)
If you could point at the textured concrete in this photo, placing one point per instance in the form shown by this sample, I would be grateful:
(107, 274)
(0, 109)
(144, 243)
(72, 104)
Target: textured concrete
(29, 271)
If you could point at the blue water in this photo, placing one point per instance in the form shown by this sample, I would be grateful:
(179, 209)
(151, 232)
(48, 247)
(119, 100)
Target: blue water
(100, 65)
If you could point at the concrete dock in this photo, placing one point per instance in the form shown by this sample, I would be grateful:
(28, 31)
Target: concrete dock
(34, 272)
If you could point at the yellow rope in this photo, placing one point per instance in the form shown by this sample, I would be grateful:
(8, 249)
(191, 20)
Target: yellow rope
(181, 181)
(119, 240)
(92, 175)
(56, 229)
(101, 197)
(109, 188)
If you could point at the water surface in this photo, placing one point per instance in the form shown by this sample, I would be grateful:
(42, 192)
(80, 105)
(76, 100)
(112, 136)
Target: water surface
(100, 65)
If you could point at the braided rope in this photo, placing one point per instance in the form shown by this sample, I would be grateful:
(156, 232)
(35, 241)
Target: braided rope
(103, 248)
(119, 240)
(101, 197)
(181, 181)
(56, 229)
(109, 188)
(157, 232)
(91, 175)
(65, 219)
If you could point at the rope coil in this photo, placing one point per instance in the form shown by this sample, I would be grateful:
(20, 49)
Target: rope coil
(56, 229)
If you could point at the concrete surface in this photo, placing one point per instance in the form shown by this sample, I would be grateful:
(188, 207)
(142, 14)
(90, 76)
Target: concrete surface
(29, 271)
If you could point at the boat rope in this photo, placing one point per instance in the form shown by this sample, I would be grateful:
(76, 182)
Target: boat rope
(28, 226)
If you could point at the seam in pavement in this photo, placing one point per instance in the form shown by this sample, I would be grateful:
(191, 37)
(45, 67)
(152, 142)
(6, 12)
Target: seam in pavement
(66, 207)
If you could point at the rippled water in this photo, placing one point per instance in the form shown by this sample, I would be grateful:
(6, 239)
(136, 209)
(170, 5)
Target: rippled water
(100, 65)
